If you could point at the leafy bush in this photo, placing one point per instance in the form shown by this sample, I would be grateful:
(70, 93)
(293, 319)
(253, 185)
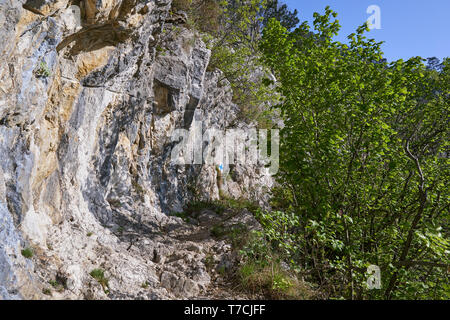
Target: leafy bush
(27, 253)
(196, 206)
(58, 284)
(232, 30)
(364, 163)
(47, 292)
(235, 52)
(280, 12)
(262, 273)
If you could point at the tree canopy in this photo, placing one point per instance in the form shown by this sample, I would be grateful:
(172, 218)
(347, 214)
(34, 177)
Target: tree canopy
(364, 163)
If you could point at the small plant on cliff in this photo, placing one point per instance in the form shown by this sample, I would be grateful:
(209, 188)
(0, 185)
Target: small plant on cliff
(53, 283)
(209, 262)
(161, 51)
(57, 284)
(262, 272)
(218, 231)
(120, 229)
(139, 189)
(183, 5)
(27, 253)
(42, 71)
(99, 275)
(47, 292)
(114, 203)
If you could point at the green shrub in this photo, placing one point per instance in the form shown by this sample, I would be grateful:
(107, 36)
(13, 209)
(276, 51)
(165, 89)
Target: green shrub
(183, 215)
(261, 271)
(47, 292)
(42, 71)
(99, 275)
(183, 5)
(196, 206)
(209, 262)
(218, 231)
(362, 163)
(231, 29)
(115, 203)
(53, 283)
(271, 281)
(203, 15)
(58, 284)
(137, 187)
(27, 253)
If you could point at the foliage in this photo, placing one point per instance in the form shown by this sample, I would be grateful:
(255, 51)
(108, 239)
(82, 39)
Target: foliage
(57, 284)
(203, 15)
(218, 206)
(232, 30)
(364, 163)
(280, 12)
(183, 5)
(196, 206)
(42, 71)
(262, 273)
(27, 253)
(235, 52)
(99, 275)
(47, 292)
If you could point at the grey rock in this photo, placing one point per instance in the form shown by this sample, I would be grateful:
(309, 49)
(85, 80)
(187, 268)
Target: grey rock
(86, 177)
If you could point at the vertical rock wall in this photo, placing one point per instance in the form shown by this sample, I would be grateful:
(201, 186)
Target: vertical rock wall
(87, 115)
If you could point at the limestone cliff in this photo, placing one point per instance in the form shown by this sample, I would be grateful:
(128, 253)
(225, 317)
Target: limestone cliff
(88, 108)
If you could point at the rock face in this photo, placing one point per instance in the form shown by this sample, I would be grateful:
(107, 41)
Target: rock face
(89, 104)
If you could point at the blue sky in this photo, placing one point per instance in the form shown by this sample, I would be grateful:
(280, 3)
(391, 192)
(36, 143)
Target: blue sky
(408, 27)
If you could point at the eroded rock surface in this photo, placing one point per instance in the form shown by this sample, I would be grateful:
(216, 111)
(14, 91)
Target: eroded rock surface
(88, 108)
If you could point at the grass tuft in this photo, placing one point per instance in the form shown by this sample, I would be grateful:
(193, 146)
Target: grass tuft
(27, 253)
(272, 281)
(99, 275)
(47, 292)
